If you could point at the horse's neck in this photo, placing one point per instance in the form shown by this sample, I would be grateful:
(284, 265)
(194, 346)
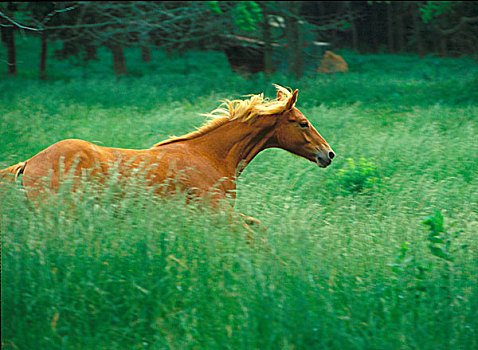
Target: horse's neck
(236, 143)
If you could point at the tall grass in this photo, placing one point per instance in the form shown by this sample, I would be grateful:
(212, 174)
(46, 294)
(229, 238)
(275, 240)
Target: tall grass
(378, 251)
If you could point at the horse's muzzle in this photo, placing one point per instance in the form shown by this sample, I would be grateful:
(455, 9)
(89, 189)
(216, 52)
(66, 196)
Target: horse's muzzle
(324, 162)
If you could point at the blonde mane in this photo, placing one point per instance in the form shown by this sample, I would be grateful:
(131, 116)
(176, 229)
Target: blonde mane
(242, 110)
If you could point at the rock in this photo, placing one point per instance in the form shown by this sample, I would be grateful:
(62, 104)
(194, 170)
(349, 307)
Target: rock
(332, 63)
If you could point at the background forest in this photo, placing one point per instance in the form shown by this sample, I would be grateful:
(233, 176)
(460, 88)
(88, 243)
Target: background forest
(291, 35)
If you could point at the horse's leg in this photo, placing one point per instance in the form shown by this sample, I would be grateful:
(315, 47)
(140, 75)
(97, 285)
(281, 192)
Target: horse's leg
(224, 200)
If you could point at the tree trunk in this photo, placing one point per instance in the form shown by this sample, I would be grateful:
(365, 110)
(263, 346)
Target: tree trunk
(400, 29)
(8, 38)
(119, 61)
(443, 46)
(146, 53)
(353, 27)
(443, 42)
(293, 40)
(417, 32)
(391, 44)
(266, 37)
(91, 53)
(43, 56)
(374, 26)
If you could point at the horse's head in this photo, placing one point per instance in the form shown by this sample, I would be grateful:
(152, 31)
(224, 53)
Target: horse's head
(297, 135)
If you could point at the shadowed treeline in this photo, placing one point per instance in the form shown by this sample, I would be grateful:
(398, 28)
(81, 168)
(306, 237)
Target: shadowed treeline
(256, 36)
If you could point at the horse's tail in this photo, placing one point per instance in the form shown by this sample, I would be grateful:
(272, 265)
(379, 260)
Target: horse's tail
(13, 171)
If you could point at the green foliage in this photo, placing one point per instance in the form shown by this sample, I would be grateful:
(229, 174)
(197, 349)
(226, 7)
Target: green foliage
(440, 242)
(430, 10)
(357, 176)
(214, 7)
(244, 14)
(247, 14)
(345, 24)
(115, 267)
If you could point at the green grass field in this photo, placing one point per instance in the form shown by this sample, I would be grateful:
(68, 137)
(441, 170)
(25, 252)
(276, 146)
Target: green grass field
(378, 251)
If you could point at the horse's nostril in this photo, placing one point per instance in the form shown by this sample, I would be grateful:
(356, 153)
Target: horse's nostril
(331, 155)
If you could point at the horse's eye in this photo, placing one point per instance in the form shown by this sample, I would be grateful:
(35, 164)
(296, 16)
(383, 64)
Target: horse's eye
(304, 124)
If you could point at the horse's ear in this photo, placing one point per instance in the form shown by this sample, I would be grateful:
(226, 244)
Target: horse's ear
(292, 100)
(280, 95)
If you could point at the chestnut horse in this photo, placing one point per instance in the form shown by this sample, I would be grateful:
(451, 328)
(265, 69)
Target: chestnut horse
(204, 162)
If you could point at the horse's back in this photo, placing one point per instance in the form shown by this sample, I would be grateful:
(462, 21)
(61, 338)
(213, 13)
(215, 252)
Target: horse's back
(64, 153)
(58, 159)
(183, 164)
